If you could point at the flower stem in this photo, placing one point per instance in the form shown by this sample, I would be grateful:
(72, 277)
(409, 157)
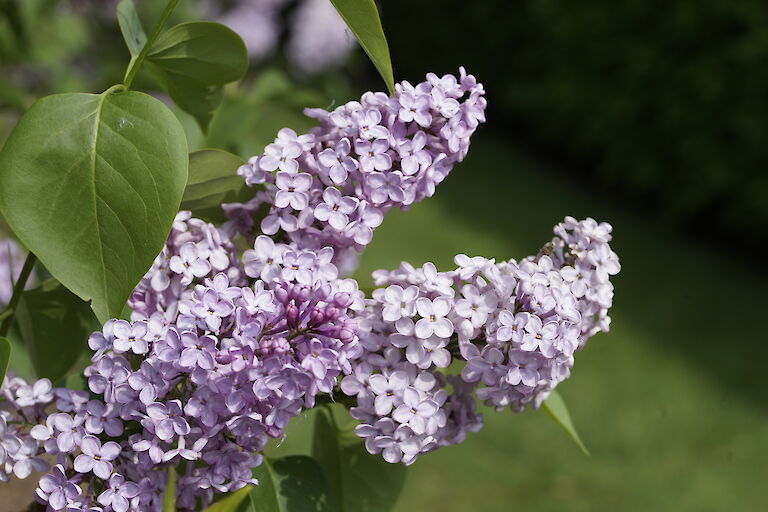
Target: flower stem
(18, 289)
(136, 62)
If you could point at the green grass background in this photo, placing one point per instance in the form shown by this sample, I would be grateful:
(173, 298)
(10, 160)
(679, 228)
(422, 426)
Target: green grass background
(671, 402)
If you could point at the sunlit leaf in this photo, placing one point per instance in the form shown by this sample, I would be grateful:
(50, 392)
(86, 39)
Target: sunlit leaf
(91, 184)
(362, 18)
(554, 405)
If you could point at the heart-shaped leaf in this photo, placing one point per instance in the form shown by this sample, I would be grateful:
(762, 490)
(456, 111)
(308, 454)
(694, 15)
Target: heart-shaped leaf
(5, 356)
(361, 482)
(555, 407)
(362, 18)
(130, 26)
(296, 483)
(54, 320)
(212, 181)
(192, 61)
(91, 183)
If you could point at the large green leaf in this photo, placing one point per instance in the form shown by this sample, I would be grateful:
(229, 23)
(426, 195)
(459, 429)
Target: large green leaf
(192, 61)
(361, 482)
(91, 183)
(212, 181)
(555, 407)
(5, 356)
(130, 26)
(362, 18)
(55, 325)
(296, 483)
(169, 495)
(235, 502)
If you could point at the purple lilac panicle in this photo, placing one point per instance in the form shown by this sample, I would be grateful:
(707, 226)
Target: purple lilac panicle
(208, 384)
(514, 326)
(331, 186)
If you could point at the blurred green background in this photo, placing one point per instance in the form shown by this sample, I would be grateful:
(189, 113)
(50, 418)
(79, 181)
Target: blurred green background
(648, 115)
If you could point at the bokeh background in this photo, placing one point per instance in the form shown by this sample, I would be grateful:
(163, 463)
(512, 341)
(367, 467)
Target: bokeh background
(649, 115)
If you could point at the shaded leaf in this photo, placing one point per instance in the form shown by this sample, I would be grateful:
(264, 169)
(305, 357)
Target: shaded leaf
(192, 61)
(362, 18)
(235, 502)
(53, 320)
(130, 26)
(169, 496)
(5, 356)
(361, 482)
(21, 362)
(296, 483)
(91, 184)
(555, 407)
(199, 100)
(207, 52)
(212, 181)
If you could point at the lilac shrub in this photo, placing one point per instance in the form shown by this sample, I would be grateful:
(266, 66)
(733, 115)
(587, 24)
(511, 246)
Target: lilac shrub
(223, 348)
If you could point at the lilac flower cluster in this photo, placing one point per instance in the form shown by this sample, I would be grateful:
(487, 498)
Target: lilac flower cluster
(515, 326)
(194, 250)
(205, 390)
(21, 406)
(332, 186)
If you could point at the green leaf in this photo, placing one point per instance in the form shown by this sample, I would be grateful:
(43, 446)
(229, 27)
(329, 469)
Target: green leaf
(169, 496)
(207, 52)
(555, 407)
(361, 482)
(235, 502)
(212, 181)
(362, 18)
(199, 100)
(53, 320)
(130, 26)
(192, 61)
(5, 356)
(296, 483)
(91, 184)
